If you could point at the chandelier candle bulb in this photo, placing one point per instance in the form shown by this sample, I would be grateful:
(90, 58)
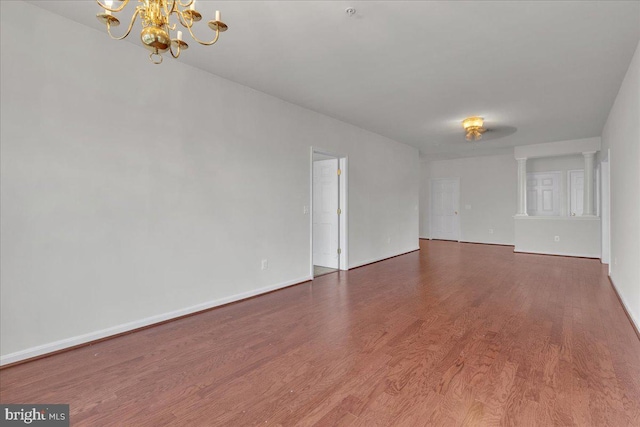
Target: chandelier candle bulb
(218, 15)
(108, 3)
(180, 35)
(193, 5)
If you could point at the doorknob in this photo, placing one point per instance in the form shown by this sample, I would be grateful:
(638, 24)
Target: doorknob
(456, 212)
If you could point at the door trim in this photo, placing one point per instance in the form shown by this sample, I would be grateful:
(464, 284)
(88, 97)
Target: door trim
(343, 204)
(605, 212)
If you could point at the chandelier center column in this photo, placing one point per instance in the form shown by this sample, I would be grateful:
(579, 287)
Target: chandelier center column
(522, 187)
(588, 208)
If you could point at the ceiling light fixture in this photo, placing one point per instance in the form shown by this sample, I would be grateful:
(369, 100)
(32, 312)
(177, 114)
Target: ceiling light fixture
(473, 126)
(156, 28)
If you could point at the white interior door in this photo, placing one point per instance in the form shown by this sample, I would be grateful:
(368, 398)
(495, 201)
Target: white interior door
(325, 213)
(445, 200)
(576, 192)
(543, 193)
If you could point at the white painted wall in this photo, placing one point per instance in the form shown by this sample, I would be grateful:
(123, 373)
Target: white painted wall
(487, 186)
(579, 236)
(558, 148)
(621, 135)
(133, 192)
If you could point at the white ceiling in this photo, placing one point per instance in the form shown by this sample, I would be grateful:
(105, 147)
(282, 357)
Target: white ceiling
(537, 71)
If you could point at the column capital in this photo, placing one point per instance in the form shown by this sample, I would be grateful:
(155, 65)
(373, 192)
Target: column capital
(589, 153)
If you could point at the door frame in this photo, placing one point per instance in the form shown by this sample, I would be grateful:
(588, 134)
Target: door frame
(605, 211)
(343, 205)
(431, 181)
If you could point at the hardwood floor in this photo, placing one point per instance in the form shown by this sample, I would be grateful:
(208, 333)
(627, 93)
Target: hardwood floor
(456, 334)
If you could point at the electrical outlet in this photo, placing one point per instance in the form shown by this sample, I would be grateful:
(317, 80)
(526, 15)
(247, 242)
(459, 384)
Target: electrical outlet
(265, 264)
(491, 231)
(556, 239)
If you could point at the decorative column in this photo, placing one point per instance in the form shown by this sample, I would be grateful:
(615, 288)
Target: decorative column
(589, 190)
(522, 187)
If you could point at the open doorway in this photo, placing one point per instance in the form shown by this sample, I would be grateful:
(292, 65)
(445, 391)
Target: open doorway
(328, 213)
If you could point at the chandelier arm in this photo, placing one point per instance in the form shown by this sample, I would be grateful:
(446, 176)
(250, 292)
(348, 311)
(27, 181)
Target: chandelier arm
(133, 20)
(169, 10)
(175, 55)
(200, 41)
(187, 4)
(184, 21)
(117, 9)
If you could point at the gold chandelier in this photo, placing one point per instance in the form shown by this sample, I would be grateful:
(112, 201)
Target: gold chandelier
(473, 126)
(156, 28)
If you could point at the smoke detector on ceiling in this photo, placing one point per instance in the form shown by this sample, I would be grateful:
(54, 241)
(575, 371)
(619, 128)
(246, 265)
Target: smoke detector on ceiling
(350, 11)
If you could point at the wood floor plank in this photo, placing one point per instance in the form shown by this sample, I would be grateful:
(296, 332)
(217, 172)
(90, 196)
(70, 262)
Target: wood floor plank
(455, 334)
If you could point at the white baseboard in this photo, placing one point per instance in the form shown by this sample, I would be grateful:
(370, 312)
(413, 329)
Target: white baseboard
(424, 237)
(371, 261)
(486, 243)
(125, 327)
(635, 321)
(578, 255)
